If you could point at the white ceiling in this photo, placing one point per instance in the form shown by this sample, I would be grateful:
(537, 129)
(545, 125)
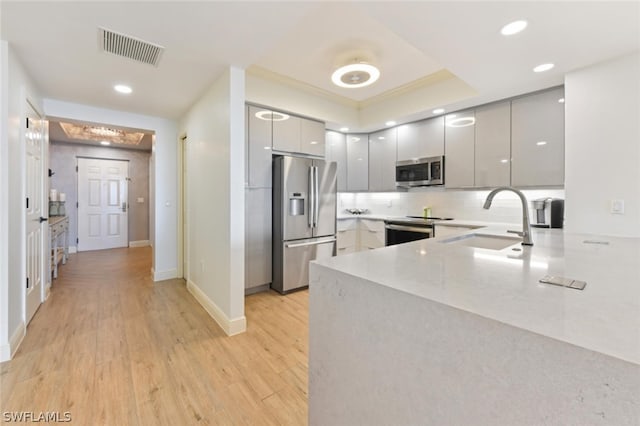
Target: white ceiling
(306, 41)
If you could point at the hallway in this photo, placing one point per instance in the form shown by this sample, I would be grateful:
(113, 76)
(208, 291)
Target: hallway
(109, 346)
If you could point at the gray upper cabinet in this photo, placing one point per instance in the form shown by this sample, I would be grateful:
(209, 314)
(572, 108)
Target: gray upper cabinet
(537, 143)
(357, 162)
(382, 160)
(286, 133)
(258, 148)
(312, 139)
(298, 135)
(459, 136)
(493, 145)
(336, 149)
(421, 139)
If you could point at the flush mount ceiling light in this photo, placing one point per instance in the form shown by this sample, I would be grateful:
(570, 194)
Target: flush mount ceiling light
(438, 111)
(122, 88)
(271, 116)
(513, 28)
(543, 68)
(355, 75)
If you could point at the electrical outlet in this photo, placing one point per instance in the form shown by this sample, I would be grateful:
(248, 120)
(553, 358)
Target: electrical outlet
(390, 203)
(617, 206)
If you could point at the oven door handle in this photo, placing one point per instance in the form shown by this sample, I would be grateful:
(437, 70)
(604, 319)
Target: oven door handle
(409, 228)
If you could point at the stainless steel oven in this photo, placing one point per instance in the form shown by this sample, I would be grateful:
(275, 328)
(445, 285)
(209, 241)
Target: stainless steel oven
(404, 230)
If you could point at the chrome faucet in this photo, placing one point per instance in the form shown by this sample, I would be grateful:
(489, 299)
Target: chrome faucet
(526, 226)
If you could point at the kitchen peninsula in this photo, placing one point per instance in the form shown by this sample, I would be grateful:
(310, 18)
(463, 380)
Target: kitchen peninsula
(436, 332)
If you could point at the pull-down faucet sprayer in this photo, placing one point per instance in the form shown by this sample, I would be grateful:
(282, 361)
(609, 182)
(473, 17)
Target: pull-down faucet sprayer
(526, 226)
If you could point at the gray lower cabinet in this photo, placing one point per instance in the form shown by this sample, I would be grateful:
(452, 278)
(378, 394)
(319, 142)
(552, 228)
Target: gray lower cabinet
(421, 139)
(493, 145)
(537, 139)
(357, 162)
(257, 274)
(336, 150)
(459, 134)
(382, 160)
(258, 147)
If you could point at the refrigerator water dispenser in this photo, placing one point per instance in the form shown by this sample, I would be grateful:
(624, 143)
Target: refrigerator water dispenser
(296, 204)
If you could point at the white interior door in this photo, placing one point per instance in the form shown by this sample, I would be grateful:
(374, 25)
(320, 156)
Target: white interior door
(34, 137)
(102, 204)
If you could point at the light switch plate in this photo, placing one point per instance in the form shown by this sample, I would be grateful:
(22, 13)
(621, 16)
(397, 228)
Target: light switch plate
(617, 206)
(140, 200)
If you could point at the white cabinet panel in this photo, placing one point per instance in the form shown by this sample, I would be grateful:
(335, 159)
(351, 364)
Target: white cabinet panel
(257, 237)
(421, 139)
(493, 145)
(259, 148)
(537, 144)
(357, 162)
(372, 234)
(459, 136)
(336, 148)
(382, 160)
(312, 137)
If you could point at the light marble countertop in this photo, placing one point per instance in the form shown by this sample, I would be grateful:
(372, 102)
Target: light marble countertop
(503, 285)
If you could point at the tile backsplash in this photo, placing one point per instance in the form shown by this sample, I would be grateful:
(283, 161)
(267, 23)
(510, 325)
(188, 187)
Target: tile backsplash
(458, 204)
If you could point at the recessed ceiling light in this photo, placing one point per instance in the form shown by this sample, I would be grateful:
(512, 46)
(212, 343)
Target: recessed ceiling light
(314, 142)
(540, 143)
(121, 88)
(390, 123)
(438, 111)
(513, 28)
(504, 160)
(355, 75)
(344, 129)
(561, 100)
(267, 147)
(543, 68)
(105, 143)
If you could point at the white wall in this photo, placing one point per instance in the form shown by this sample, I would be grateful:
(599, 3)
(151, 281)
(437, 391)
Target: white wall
(215, 213)
(16, 88)
(163, 175)
(602, 143)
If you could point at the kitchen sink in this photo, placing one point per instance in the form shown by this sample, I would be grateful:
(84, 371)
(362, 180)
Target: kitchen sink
(485, 241)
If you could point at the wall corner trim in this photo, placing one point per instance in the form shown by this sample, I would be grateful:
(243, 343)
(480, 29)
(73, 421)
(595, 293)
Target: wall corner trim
(230, 326)
(164, 275)
(8, 350)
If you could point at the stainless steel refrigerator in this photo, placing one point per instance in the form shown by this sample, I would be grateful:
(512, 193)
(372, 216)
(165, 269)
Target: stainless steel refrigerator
(304, 218)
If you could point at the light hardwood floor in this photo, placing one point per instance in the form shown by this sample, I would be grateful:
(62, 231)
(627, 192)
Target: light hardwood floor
(112, 347)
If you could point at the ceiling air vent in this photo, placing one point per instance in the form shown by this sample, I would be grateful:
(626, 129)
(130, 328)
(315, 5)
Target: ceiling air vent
(129, 47)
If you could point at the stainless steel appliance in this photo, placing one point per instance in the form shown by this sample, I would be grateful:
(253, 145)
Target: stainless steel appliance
(304, 218)
(420, 172)
(405, 229)
(549, 213)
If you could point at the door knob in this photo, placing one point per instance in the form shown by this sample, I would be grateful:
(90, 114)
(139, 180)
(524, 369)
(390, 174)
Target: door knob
(43, 219)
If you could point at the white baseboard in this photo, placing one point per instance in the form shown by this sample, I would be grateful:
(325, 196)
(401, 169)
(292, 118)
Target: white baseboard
(7, 351)
(139, 243)
(164, 275)
(229, 326)
(73, 249)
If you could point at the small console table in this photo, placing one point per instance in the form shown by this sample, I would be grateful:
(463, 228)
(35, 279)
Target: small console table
(59, 234)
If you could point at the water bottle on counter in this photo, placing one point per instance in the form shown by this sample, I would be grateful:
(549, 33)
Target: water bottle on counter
(427, 212)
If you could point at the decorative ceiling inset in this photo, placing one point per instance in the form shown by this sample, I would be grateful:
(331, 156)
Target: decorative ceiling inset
(99, 133)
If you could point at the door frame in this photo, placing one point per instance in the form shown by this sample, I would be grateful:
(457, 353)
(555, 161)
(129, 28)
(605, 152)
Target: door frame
(183, 211)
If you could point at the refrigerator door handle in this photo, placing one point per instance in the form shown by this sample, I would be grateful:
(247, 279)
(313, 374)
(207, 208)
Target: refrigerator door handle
(316, 197)
(310, 243)
(311, 211)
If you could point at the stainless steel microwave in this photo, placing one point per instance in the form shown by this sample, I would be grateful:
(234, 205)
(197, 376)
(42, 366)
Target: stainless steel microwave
(420, 172)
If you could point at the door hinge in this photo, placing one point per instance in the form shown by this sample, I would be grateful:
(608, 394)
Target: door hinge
(76, 169)
(27, 122)
(27, 202)
(77, 205)
(77, 240)
(27, 282)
